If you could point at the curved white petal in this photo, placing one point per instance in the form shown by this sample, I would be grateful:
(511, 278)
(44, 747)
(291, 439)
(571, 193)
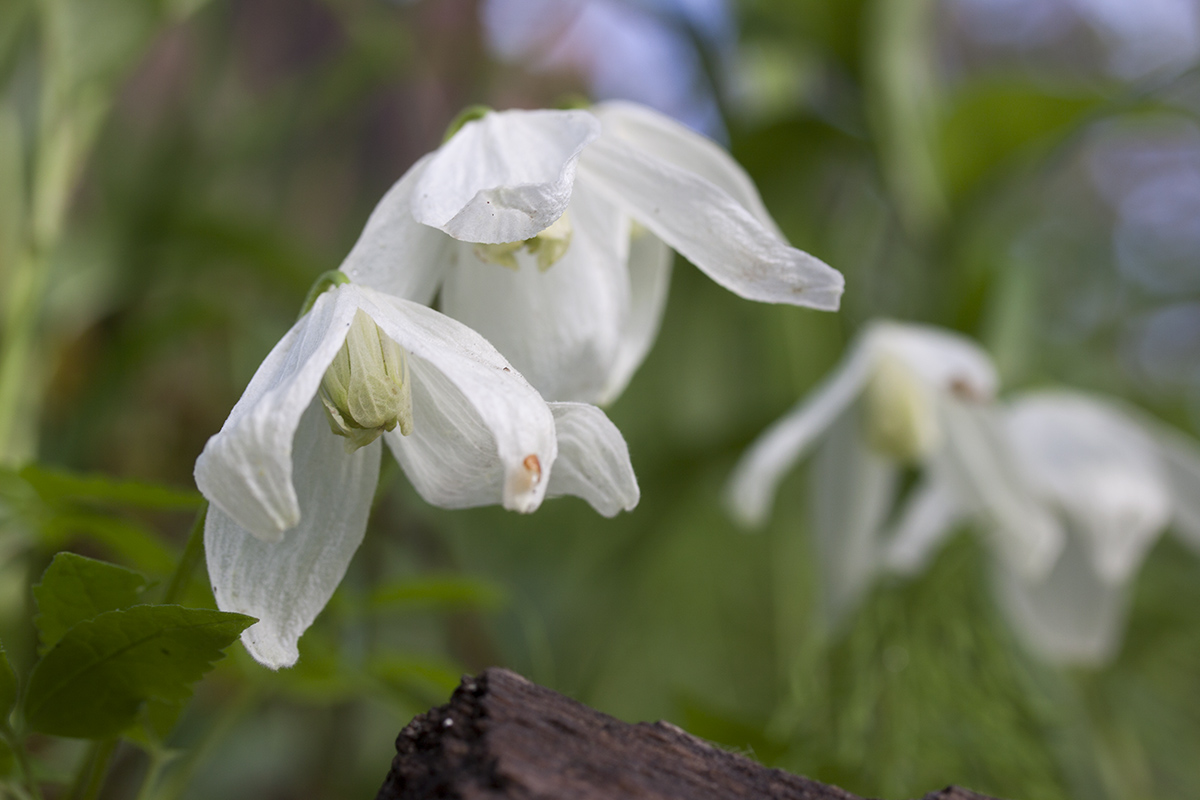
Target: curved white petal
(1181, 460)
(928, 516)
(286, 584)
(395, 253)
(1071, 615)
(709, 228)
(981, 465)
(246, 468)
(751, 488)
(504, 177)
(942, 358)
(658, 135)
(481, 433)
(852, 491)
(593, 460)
(1100, 468)
(561, 328)
(650, 261)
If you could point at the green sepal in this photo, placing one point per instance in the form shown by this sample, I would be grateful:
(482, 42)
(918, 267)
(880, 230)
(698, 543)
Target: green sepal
(324, 282)
(468, 114)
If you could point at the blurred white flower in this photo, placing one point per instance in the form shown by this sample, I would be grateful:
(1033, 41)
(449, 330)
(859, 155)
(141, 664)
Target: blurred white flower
(1114, 479)
(905, 395)
(549, 233)
(291, 474)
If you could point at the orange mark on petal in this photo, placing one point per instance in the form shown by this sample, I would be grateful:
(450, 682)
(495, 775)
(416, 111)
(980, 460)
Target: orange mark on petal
(534, 468)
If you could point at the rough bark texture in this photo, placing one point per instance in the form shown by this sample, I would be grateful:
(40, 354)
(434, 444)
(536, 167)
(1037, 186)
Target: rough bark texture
(503, 738)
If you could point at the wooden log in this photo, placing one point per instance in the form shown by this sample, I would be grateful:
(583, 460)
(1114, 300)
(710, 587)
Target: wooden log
(503, 738)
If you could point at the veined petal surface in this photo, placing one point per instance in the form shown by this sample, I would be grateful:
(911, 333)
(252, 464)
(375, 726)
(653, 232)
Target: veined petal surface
(504, 177)
(660, 136)
(561, 327)
(650, 262)
(246, 468)
(286, 584)
(395, 253)
(709, 227)
(593, 460)
(481, 433)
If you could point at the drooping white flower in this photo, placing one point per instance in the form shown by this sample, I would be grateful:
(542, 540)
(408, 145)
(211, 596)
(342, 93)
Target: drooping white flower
(291, 474)
(1115, 479)
(905, 395)
(550, 233)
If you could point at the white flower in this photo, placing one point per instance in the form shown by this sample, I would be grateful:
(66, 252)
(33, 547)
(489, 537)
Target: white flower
(549, 232)
(290, 499)
(906, 394)
(1115, 479)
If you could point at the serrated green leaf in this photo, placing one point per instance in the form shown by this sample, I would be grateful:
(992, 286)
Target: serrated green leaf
(8, 686)
(453, 591)
(94, 682)
(58, 485)
(74, 588)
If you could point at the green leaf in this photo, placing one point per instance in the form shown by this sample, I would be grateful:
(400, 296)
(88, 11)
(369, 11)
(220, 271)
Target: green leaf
(94, 682)
(75, 588)
(452, 591)
(139, 546)
(8, 687)
(990, 122)
(59, 485)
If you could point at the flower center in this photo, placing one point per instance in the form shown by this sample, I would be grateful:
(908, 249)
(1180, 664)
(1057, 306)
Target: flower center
(548, 247)
(366, 389)
(901, 420)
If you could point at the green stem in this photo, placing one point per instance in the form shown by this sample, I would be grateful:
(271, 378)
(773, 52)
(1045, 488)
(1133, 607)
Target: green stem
(16, 744)
(158, 762)
(192, 553)
(93, 770)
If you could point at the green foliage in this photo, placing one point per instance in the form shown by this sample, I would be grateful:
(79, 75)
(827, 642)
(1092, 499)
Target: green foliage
(8, 687)
(446, 591)
(74, 589)
(93, 683)
(990, 122)
(59, 487)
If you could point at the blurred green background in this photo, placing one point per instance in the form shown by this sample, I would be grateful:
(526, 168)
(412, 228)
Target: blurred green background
(1025, 172)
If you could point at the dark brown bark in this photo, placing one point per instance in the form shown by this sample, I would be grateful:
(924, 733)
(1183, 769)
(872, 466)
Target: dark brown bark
(503, 738)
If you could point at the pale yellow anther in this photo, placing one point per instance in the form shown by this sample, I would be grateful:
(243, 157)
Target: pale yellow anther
(366, 389)
(548, 247)
(900, 416)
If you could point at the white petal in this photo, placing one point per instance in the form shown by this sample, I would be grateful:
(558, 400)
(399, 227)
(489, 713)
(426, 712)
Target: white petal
(561, 328)
(504, 177)
(1024, 531)
(481, 433)
(709, 228)
(930, 514)
(246, 468)
(1100, 468)
(1071, 615)
(1181, 460)
(852, 491)
(945, 360)
(395, 253)
(751, 488)
(660, 136)
(286, 584)
(593, 460)
(650, 261)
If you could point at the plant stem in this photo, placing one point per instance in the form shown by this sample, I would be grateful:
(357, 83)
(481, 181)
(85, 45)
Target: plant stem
(93, 770)
(192, 552)
(18, 747)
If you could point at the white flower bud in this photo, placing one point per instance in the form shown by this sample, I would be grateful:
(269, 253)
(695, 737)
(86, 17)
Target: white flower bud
(366, 389)
(901, 417)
